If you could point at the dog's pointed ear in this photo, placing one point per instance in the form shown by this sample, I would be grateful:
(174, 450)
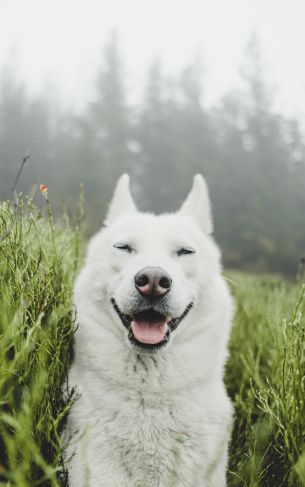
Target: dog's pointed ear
(122, 202)
(197, 204)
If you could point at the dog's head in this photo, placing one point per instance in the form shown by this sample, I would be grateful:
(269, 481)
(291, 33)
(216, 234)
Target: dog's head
(148, 272)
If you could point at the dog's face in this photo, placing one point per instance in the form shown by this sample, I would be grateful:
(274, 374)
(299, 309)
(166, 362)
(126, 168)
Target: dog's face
(148, 272)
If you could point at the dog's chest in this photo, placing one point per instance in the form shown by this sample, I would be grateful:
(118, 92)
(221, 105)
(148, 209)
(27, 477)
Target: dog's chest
(150, 431)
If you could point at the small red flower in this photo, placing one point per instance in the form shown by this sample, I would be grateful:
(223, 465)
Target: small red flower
(43, 188)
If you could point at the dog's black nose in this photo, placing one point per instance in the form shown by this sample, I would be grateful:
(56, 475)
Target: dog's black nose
(153, 282)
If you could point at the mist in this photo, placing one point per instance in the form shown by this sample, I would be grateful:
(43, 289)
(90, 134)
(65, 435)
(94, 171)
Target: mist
(251, 154)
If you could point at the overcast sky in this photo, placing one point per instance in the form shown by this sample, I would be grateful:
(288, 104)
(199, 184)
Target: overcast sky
(58, 42)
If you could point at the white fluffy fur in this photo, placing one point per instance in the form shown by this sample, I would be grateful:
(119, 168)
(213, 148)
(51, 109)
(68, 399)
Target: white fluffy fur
(162, 419)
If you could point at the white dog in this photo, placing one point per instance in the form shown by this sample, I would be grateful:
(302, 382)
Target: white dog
(154, 317)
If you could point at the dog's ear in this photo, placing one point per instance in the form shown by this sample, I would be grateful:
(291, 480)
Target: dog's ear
(197, 204)
(122, 202)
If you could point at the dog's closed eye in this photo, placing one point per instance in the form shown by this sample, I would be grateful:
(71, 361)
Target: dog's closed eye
(123, 246)
(186, 251)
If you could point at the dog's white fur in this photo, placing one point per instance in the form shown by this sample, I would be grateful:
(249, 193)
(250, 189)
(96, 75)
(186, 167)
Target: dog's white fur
(151, 419)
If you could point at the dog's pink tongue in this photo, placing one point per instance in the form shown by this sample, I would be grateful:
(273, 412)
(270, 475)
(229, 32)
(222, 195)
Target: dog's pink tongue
(147, 332)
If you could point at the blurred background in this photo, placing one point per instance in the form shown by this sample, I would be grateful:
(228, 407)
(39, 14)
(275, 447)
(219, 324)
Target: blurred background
(162, 90)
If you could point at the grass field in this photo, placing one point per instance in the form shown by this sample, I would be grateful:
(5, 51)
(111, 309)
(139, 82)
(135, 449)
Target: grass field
(265, 378)
(265, 374)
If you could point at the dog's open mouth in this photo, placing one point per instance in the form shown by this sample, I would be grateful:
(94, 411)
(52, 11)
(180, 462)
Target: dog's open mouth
(149, 329)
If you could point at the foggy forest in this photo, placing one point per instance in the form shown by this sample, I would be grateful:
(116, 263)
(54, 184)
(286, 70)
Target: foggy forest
(252, 156)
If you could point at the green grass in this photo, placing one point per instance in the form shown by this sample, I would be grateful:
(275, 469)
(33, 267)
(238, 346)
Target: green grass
(265, 374)
(38, 262)
(265, 378)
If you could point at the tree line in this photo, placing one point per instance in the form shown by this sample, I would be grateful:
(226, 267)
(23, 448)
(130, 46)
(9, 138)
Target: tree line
(252, 157)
